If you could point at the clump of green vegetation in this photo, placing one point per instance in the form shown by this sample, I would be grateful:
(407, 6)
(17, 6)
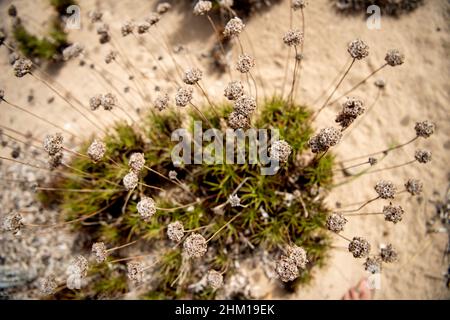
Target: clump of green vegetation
(276, 210)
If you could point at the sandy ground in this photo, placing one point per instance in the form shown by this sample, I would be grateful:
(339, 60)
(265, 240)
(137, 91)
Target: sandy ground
(416, 91)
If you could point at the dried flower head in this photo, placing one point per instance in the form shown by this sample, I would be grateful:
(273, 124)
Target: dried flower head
(95, 102)
(245, 105)
(153, 18)
(359, 247)
(336, 222)
(245, 63)
(373, 265)
(414, 186)
(127, 28)
(143, 27)
(394, 58)
(146, 208)
(109, 101)
(358, 49)
(48, 285)
(163, 7)
(103, 31)
(192, 76)
(286, 269)
(280, 151)
(393, 213)
(234, 90)
(351, 109)
(12, 222)
(325, 139)
(202, 7)
(130, 181)
(99, 252)
(173, 174)
(54, 161)
(53, 143)
(372, 161)
(110, 57)
(161, 102)
(422, 156)
(424, 129)
(22, 67)
(135, 271)
(183, 96)
(96, 150)
(299, 4)
(195, 246)
(388, 254)
(175, 231)
(136, 162)
(233, 27)
(78, 266)
(298, 255)
(214, 279)
(385, 189)
(236, 121)
(234, 200)
(72, 51)
(95, 16)
(293, 37)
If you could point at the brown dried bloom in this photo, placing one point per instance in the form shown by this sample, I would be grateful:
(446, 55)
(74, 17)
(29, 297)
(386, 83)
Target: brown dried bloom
(143, 27)
(136, 162)
(393, 213)
(96, 150)
(95, 102)
(175, 231)
(336, 222)
(422, 156)
(424, 129)
(161, 102)
(245, 63)
(72, 51)
(146, 208)
(12, 222)
(95, 16)
(110, 57)
(325, 139)
(99, 251)
(233, 27)
(351, 109)
(286, 269)
(234, 90)
(373, 265)
(109, 101)
(55, 161)
(394, 58)
(214, 279)
(358, 49)
(359, 247)
(414, 186)
(153, 18)
(202, 8)
(192, 76)
(130, 181)
(53, 143)
(385, 189)
(22, 67)
(299, 4)
(135, 271)
(280, 151)
(293, 37)
(298, 255)
(237, 121)
(163, 7)
(245, 105)
(127, 28)
(183, 96)
(48, 285)
(195, 246)
(389, 254)
(103, 31)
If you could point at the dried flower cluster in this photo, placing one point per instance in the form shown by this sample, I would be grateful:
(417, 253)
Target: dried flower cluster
(99, 252)
(388, 254)
(146, 208)
(183, 96)
(195, 246)
(245, 63)
(336, 222)
(422, 156)
(373, 265)
(202, 7)
(175, 231)
(22, 67)
(192, 76)
(233, 28)
(76, 272)
(135, 271)
(280, 151)
(414, 186)
(12, 222)
(385, 189)
(359, 247)
(393, 213)
(351, 109)
(214, 279)
(287, 268)
(325, 139)
(358, 49)
(96, 150)
(293, 37)
(424, 129)
(234, 90)
(394, 58)
(161, 102)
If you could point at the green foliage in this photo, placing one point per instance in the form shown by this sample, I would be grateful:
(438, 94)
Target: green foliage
(268, 219)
